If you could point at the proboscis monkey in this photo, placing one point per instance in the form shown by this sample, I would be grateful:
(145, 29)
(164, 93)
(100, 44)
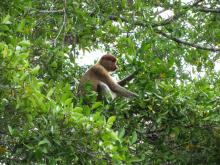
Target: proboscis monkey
(100, 79)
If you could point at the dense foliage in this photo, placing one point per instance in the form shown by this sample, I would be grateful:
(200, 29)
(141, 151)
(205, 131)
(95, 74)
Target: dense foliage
(175, 46)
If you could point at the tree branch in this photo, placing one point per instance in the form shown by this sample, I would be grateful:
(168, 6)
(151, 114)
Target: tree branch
(162, 23)
(167, 21)
(51, 11)
(158, 12)
(209, 10)
(64, 23)
(139, 23)
(213, 49)
(123, 19)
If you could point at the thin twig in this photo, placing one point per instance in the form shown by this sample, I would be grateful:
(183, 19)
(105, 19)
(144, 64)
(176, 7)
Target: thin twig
(158, 12)
(64, 23)
(209, 10)
(167, 21)
(213, 49)
(51, 11)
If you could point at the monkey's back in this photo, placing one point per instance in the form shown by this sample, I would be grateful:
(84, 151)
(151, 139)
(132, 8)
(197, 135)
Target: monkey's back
(90, 77)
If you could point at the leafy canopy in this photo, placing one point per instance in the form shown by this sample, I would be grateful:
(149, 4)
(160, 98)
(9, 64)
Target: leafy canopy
(174, 121)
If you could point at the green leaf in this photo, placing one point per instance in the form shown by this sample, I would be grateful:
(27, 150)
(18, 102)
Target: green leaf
(175, 131)
(50, 92)
(44, 150)
(111, 120)
(78, 109)
(136, 159)
(54, 64)
(44, 141)
(5, 52)
(134, 137)
(40, 83)
(21, 26)
(10, 130)
(121, 133)
(6, 20)
(29, 117)
(35, 70)
(68, 101)
(96, 105)
(4, 29)
(25, 43)
(29, 147)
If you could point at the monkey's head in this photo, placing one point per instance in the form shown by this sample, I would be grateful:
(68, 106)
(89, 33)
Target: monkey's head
(108, 61)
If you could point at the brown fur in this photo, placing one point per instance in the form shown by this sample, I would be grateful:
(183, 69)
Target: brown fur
(99, 73)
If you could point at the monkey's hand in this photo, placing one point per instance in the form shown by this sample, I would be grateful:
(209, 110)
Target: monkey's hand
(124, 81)
(133, 95)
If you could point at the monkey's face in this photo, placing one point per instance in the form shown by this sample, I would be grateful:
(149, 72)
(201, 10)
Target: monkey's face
(109, 62)
(110, 65)
(114, 66)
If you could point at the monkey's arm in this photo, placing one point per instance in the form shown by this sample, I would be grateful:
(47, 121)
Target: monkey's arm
(114, 86)
(124, 81)
(121, 91)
